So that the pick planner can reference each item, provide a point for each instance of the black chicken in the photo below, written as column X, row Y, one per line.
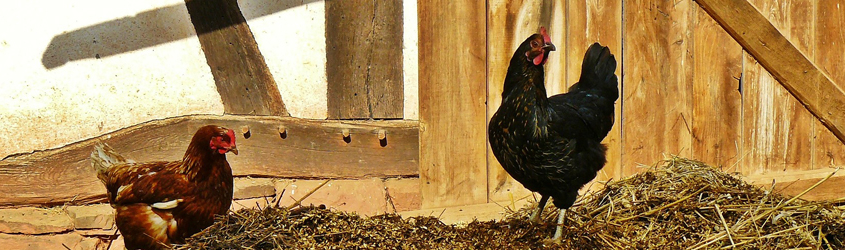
column 552, row 145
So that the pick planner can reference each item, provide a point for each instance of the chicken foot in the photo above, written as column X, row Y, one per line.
column 535, row 216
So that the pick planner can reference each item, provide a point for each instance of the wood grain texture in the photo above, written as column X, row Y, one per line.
column 243, row 80
column 469, row 213
column 778, row 129
column 364, row 59
column 590, row 21
column 309, row 149
column 509, row 23
column 794, row 182
column 452, row 92
column 553, row 16
column 717, row 101
column 783, row 60
column 657, row 82
column 829, row 55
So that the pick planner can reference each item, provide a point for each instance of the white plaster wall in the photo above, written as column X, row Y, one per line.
column 411, row 60
column 47, row 103
column 44, row 108
column 293, row 43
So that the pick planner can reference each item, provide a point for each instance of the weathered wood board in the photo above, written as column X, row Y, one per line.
column 467, row 214
column 657, row 82
column 305, row 149
column 243, row 80
column 452, row 92
column 778, row 129
column 717, row 99
column 793, row 183
column 829, row 55
column 364, row 59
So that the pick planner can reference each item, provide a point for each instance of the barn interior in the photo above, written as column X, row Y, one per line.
column 389, row 100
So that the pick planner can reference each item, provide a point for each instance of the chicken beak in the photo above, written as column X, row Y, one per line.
column 234, row 150
column 549, row 47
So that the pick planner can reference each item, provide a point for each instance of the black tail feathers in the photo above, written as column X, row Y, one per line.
column 598, row 70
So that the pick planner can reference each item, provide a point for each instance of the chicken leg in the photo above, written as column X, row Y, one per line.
column 535, row 216
column 559, row 227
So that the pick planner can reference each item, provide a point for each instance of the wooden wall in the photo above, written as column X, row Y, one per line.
column 734, row 114
column 687, row 87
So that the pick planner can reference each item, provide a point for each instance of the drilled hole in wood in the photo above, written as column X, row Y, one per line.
column 245, row 131
column 382, row 137
column 283, row 132
column 347, row 136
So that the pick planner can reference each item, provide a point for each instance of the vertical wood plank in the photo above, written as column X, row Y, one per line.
column 558, row 28
column 509, row 23
column 243, row 80
column 657, row 77
column 591, row 21
column 778, row 129
column 829, row 50
column 717, row 101
column 364, row 59
column 452, row 85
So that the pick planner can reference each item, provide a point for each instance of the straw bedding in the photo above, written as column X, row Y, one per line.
column 681, row 204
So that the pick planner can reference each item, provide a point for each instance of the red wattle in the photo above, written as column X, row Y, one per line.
column 538, row 59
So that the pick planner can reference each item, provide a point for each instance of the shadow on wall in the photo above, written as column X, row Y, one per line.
column 146, row 29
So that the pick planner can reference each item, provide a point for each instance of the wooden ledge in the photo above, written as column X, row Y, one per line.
column 794, row 182
column 281, row 147
column 459, row 215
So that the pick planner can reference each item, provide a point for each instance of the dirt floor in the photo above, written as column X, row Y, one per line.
column 682, row 204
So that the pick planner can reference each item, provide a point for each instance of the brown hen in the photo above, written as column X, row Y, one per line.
column 161, row 203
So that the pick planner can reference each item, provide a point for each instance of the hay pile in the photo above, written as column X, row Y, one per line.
column 683, row 204
column 686, row 204
column 325, row 229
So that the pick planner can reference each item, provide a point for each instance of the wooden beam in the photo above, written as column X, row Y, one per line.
column 784, row 61
column 364, row 59
column 468, row 213
column 795, row 182
column 303, row 149
column 452, row 92
column 243, row 80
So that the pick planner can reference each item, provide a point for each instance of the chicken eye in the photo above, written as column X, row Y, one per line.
column 534, row 44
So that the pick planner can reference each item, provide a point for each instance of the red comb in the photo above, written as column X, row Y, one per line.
column 546, row 37
column 231, row 134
